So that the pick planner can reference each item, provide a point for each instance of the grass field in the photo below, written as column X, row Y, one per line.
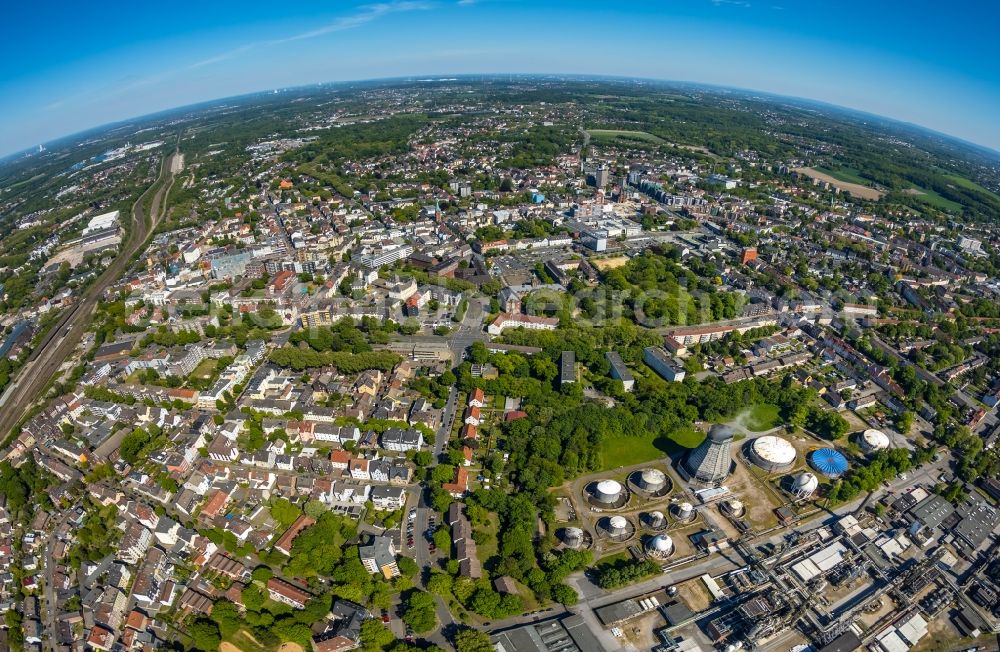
column 205, row 368
column 850, row 175
column 607, row 135
column 611, row 560
column 763, row 416
column 860, row 190
column 687, row 437
column 937, row 201
column 965, row 183
column 245, row 642
column 626, row 451
column 610, row 263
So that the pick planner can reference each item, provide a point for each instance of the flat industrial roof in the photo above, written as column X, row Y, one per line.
column 932, row 511
column 569, row 634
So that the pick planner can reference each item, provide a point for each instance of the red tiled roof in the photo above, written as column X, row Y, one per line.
column 215, row 503
column 284, row 544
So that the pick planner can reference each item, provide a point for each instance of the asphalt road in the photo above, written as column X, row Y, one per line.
column 447, row 423
column 66, row 334
column 469, row 331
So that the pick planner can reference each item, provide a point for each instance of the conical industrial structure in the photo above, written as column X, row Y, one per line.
column 711, row 461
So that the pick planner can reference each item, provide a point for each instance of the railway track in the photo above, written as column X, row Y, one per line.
column 64, row 336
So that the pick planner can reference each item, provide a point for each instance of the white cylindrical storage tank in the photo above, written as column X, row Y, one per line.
column 684, row 511
column 805, row 484
column 573, row 537
column 617, row 525
column 660, row 546
column 733, row 507
column 651, row 480
column 608, row 491
column 772, row 453
column 656, row 519
column 874, row 440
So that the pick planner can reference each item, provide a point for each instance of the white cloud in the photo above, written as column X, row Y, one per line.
column 367, row 14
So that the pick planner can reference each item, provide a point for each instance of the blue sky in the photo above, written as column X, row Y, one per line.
column 68, row 66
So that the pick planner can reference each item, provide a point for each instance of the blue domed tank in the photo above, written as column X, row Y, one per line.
column 829, row 462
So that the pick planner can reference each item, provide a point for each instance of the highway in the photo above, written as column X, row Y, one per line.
column 67, row 332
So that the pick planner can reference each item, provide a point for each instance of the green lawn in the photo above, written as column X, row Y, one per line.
column 687, row 437
column 205, row 368
column 626, row 451
column 847, row 175
column 488, row 547
column 763, row 416
column 611, row 560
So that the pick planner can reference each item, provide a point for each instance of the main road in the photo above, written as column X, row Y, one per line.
column 53, row 350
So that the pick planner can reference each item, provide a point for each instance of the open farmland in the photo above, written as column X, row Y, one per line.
column 856, row 189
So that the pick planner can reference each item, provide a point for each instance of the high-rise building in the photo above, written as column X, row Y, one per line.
column 602, row 175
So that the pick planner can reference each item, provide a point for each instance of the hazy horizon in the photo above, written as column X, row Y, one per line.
column 92, row 70
column 442, row 77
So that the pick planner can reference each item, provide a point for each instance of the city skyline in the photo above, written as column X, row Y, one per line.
column 110, row 68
